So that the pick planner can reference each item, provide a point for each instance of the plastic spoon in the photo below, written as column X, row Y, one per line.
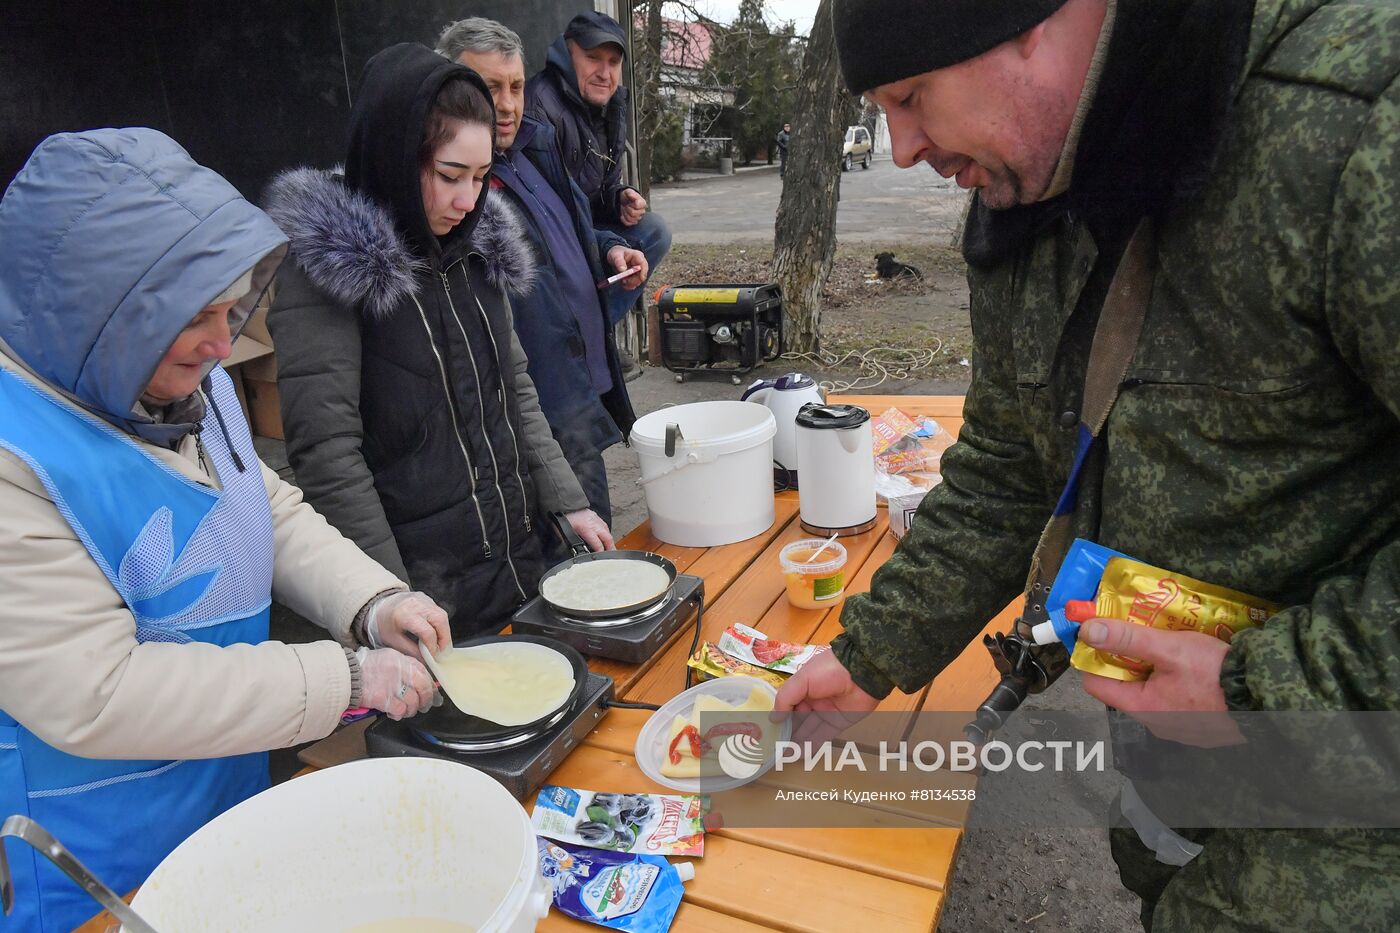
column 826, row 544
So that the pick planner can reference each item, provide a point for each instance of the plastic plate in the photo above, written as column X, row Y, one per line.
column 655, row 734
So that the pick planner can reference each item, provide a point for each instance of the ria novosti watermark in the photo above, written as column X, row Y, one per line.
column 1067, row 769
column 994, row 756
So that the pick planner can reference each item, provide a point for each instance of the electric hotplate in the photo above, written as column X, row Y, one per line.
column 633, row 638
column 520, row 762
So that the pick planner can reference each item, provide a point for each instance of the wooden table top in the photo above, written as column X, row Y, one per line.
column 791, row 879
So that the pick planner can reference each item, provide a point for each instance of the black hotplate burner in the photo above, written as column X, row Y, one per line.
column 520, row 762
column 633, row 638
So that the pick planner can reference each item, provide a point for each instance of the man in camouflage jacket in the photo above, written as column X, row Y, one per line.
column 1256, row 437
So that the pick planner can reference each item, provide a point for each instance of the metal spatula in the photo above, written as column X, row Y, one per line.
column 22, row 827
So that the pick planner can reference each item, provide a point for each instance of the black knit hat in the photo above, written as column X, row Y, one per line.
column 880, row 41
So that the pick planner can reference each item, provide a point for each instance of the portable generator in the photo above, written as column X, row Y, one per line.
column 720, row 328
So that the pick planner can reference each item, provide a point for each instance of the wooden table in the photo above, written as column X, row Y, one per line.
column 812, row 880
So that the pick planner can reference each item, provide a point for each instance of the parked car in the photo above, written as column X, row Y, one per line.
column 857, row 148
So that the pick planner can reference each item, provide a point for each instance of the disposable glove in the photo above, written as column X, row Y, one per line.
column 393, row 682
column 391, row 618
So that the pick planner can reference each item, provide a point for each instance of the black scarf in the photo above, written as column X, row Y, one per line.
column 1150, row 137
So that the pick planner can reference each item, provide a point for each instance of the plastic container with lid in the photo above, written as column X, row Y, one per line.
column 655, row 734
column 817, row 585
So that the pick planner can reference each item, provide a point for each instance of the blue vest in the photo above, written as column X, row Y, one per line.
column 191, row 564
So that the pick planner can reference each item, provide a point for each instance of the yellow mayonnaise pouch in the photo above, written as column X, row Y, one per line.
column 708, row 662
column 1147, row 595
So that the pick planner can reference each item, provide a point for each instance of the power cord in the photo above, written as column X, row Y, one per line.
column 694, row 641
column 877, row 365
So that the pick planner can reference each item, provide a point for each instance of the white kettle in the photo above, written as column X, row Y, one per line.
column 837, row 495
column 784, row 397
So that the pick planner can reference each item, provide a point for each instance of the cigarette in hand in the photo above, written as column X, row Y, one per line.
column 620, row 276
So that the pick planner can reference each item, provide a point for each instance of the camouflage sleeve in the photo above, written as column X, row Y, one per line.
column 966, row 553
column 1342, row 651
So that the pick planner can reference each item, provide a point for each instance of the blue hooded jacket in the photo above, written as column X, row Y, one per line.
column 100, row 277
column 593, row 160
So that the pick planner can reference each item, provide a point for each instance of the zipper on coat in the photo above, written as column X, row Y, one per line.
column 481, row 407
column 456, row 429
column 501, row 392
column 200, row 452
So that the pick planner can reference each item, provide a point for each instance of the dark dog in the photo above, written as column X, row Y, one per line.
column 887, row 267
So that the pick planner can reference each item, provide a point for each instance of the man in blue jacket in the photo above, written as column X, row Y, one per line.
column 562, row 322
column 579, row 93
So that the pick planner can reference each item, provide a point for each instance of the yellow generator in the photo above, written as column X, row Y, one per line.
column 727, row 329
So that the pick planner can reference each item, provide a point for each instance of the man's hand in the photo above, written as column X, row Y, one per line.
column 1185, row 678
column 621, row 258
column 592, row 529
column 823, row 690
column 631, row 206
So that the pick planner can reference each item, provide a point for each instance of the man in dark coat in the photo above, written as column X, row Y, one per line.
column 579, row 93
column 561, row 321
column 784, row 135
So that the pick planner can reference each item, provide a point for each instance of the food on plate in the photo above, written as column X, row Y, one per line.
column 601, row 585
column 717, row 738
column 661, row 824
column 510, row 683
column 708, row 662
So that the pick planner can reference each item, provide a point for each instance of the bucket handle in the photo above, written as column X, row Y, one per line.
column 687, row 458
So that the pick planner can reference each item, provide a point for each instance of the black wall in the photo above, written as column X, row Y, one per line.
column 248, row 87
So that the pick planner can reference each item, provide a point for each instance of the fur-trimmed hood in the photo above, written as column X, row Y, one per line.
column 350, row 248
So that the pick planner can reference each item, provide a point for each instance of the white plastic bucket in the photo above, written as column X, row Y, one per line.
column 371, row 841
column 716, row 484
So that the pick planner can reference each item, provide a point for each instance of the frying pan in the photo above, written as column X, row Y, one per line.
column 583, row 555
column 448, row 723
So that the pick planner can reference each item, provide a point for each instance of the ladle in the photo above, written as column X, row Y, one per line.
column 22, row 827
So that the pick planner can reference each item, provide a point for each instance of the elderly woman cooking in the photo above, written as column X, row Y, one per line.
column 142, row 538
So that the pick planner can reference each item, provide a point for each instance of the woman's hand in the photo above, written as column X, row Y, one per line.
column 394, row 617
column 592, row 529
column 393, row 682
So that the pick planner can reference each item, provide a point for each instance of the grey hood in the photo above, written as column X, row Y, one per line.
column 349, row 247
column 114, row 240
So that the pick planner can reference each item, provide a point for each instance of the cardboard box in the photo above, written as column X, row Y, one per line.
column 903, row 509
column 245, row 351
column 264, row 401
column 257, row 326
column 265, row 404
column 253, row 368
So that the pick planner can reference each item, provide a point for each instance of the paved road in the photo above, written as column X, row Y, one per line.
column 881, row 203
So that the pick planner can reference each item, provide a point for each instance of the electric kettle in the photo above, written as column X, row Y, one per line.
column 837, row 495
column 784, row 397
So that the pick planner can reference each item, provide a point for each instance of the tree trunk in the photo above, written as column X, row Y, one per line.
column 648, row 101
column 805, row 231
